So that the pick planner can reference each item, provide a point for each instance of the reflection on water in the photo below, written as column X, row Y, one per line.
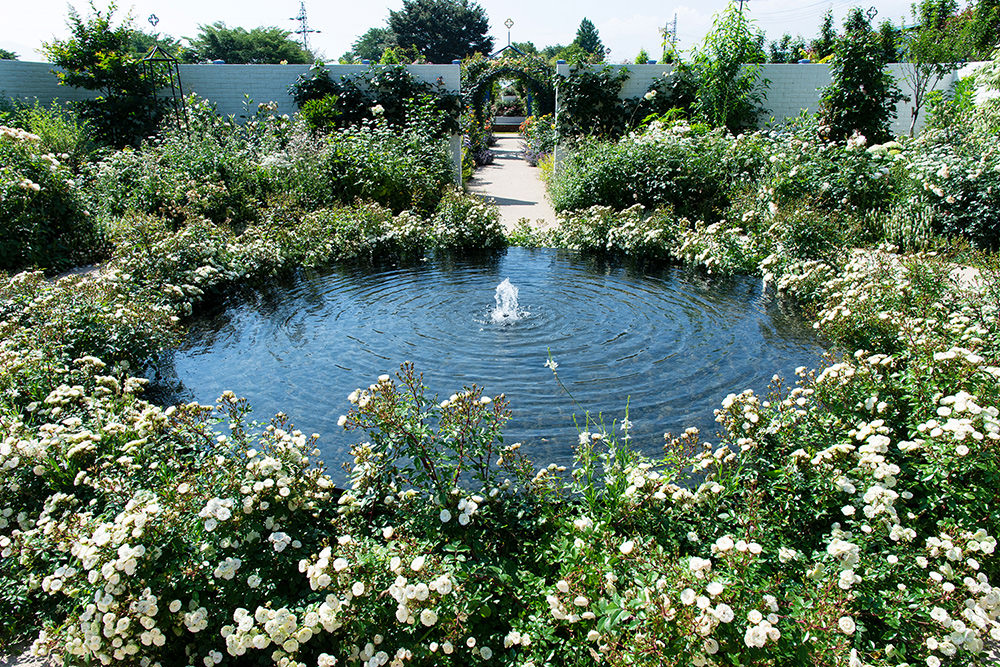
column 671, row 343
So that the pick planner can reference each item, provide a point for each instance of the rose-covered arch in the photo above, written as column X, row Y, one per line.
column 480, row 73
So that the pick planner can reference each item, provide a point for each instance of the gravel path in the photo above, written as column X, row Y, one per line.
column 513, row 186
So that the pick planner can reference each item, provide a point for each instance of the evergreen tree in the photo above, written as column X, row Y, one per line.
column 588, row 39
column 822, row 46
column 7, row 55
column 442, row 30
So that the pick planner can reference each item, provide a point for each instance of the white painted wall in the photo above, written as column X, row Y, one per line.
column 792, row 88
column 225, row 85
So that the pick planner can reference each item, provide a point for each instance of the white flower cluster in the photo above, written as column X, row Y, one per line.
column 216, row 510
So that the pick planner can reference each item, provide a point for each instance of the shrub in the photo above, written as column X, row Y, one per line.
column 401, row 170
column 43, row 221
column 59, row 129
column 539, row 134
column 98, row 56
column 320, row 114
column 676, row 166
column 386, row 91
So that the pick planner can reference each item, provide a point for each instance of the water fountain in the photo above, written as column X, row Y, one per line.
column 670, row 342
column 506, row 310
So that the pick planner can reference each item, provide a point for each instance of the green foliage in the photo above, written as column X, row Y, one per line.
column 320, row 114
column 591, row 104
column 787, row 49
column 862, row 97
column 588, row 40
column 386, row 91
column 7, row 55
column 671, row 166
column 932, row 51
column 144, row 42
column 822, row 46
column 442, row 30
column 43, row 221
column 99, row 56
column 981, row 24
column 730, row 91
column 59, row 129
column 241, row 46
column 370, row 46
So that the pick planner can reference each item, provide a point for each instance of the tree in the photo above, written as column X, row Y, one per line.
column 890, row 39
column 551, row 53
column 981, row 29
column 7, row 55
column 787, row 49
column 143, row 42
column 822, row 46
column 728, row 65
column 442, row 30
column 862, row 97
column 100, row 56
column 642, row 58
column 588, row 39
column 370, row 46
column 527, row 48
column 238, row 45
column 932, row 50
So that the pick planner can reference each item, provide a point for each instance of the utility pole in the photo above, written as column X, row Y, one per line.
column 669, row 33
column 304, row 28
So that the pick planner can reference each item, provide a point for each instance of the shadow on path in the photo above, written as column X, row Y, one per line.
column 513, row 186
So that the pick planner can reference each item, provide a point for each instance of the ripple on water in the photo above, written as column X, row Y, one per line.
column 671, row 343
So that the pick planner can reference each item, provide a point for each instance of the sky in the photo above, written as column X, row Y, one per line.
column 625, row 29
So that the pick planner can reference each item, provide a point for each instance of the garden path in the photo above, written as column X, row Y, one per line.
column 513, row 186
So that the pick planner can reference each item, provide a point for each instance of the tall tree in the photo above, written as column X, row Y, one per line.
column 728, row 64
column 786, row 50
column 588, row 39
column 143, row 42
column 862, row 96
column 890, row 38
column 982, row 29
column 822, row 46
column 442, row 30
column 239, row 45
column 933, row 49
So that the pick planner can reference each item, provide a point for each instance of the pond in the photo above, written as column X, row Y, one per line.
column 668, row 343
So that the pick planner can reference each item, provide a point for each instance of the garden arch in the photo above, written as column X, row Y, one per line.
column 479, row 74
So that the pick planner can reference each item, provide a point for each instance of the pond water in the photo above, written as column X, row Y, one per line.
column 671, row 342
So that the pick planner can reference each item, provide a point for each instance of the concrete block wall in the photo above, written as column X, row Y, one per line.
column 225, row 85
column 792, row 88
